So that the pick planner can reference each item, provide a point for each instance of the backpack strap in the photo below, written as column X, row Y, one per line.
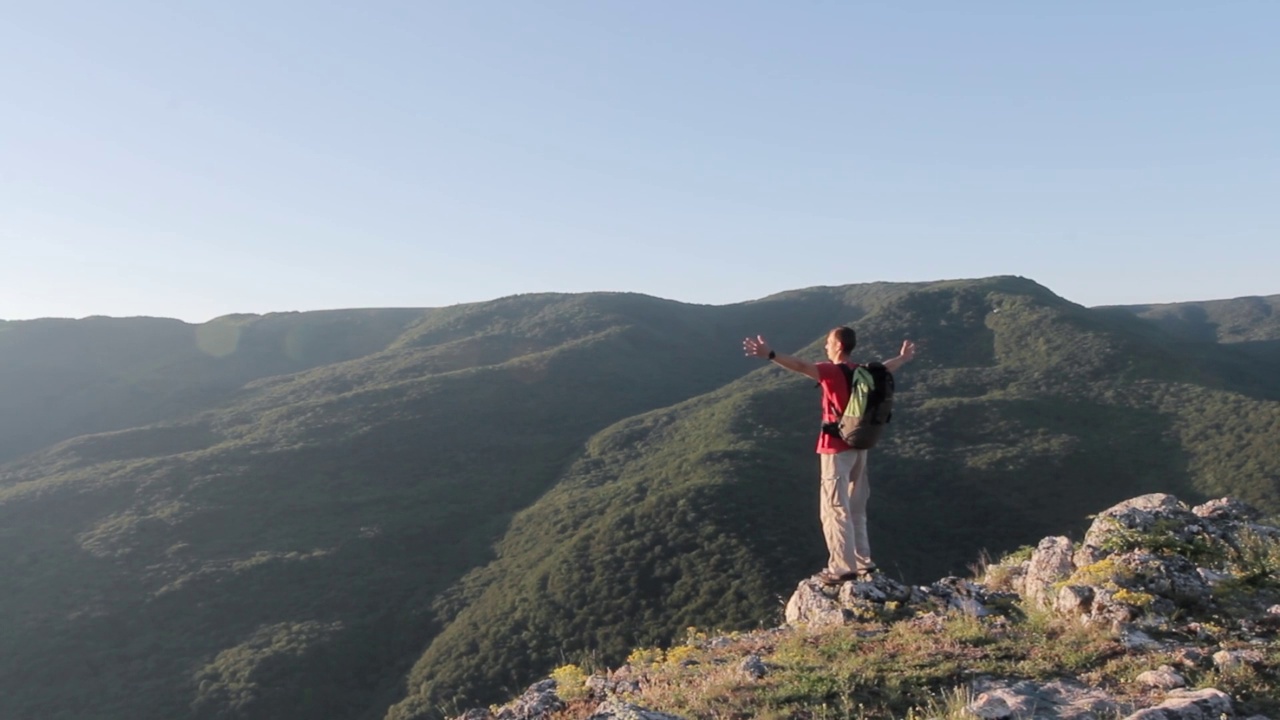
column 848, row 378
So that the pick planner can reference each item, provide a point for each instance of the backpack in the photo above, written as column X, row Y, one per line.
column 870, row 405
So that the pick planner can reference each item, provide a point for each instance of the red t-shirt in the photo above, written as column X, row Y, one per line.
column 835, row 396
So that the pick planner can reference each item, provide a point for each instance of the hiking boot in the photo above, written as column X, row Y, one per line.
column 826, row 577
column 868, row 573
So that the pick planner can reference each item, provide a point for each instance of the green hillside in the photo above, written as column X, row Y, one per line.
column 63, row 378
column 369, row 514
column 282, row 549
column 1023, row 413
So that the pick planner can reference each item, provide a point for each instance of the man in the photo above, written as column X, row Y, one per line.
column 845, row 487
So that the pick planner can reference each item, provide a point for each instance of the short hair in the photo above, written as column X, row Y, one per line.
column 847, row 337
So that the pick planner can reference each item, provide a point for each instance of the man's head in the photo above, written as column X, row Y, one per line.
column 840, row 342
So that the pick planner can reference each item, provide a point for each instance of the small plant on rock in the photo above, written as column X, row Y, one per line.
column 571, row 682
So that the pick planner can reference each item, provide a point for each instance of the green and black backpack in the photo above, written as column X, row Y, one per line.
column 870, row 405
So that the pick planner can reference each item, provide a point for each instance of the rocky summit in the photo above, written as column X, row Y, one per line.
column 1161, row 611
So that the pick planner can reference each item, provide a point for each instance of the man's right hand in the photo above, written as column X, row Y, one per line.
column 756, row 347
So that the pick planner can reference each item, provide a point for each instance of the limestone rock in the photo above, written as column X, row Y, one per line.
column 1164, row 678
column 1073, row 600
column 1134, row 639
column 537, row 703
column 1171, row 577
column 991, row 706
column 879, row 589
column 1140, row 514
column 754, row 667
column 1189, row 657
column 1066, row 699
column 957, row 594
column 1228, row 659
column 614, row 709
column 1226, row 508
column 1207, row 704
column 1050, row 563
column 816, row 604
column 811, row 606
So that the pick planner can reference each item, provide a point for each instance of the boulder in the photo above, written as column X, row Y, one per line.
column 1050, row 563
column 1073, row 600
column 1164, row 678
column 1140, row 514
column 1207, row 704
column 994, row 699
column 810, row 605
column 538, row 702
column 1226, row 508
column 1231, row 659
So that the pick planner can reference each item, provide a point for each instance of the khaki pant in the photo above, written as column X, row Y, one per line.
column 845, row 490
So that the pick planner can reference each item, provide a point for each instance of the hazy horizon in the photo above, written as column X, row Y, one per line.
column 552, row 292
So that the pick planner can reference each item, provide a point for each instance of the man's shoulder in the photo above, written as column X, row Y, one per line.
column 829, row 371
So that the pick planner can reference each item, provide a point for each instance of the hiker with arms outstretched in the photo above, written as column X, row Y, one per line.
column 845, row 487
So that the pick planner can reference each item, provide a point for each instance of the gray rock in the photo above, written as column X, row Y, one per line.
column 1017, row 578
column 1229, row 659
column 1050, row 563
column 1189, row 657
column 1207, row 704
column 969, row 606
column 1135, row 639
column 953, row 593
column 1026, row 699
column 879, row 589
column 1073, row 600
column 990, row 706
column 809, row 605
column 1164, row 678
column 1140, row 514
column 1226, row 509
column 1106, row 610
column 614, row 709
column 754, row 667
column 537, row 703
column 1172, row 577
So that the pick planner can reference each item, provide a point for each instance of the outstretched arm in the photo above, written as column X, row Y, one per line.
column 904, row 356
column 757, row 347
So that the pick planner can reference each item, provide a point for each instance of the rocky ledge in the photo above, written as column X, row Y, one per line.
column 1193, row 591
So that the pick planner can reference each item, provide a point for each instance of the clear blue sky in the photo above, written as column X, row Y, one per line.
column 191, row 159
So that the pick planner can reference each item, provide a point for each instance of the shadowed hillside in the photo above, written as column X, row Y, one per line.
column 63, row 378
column 282, row 548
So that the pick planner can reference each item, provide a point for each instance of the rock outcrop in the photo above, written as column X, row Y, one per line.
column 1179, row 585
